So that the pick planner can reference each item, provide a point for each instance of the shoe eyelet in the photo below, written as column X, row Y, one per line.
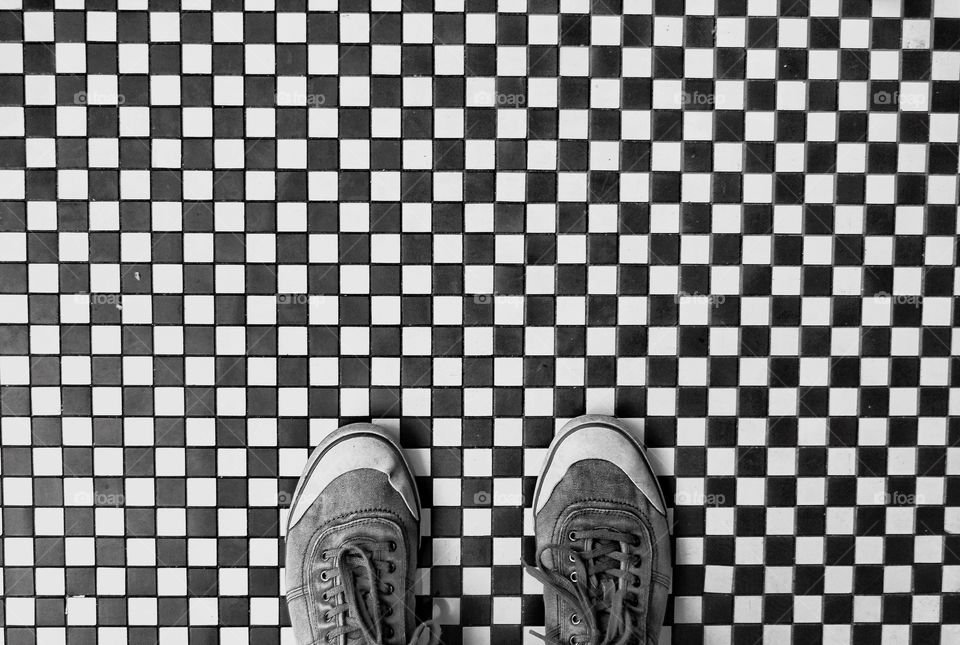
column 324, row 556
column 573, row 576
column 324, row 597
column 392, row 568
column 574, row 641
column 573, row 536
column 571, row 558
column 393, row 545
column 390, row 632
column 389, row 588
column 389, row 611
column 326, row 616
column 324, row 576
column 575, row 619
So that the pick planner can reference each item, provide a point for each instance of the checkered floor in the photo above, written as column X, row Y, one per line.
column 225, row 231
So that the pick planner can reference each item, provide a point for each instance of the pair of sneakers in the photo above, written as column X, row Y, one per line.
column 603, row 552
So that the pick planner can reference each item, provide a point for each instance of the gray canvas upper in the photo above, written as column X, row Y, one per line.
column 351, row 552
column 602, row 543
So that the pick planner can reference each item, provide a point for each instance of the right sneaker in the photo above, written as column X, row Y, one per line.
column 603, row 542
column 351, row 544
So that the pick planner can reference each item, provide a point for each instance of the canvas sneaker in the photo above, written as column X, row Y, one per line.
column 603, row 542
column 351, row 545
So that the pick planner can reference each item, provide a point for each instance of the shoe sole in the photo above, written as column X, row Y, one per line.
column 335, row 437
column 583, row 421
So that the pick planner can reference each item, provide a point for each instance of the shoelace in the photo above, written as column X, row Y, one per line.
column 359, row 596
column 601, row 587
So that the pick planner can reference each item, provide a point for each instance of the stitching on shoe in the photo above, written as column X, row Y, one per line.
column 659, row 577
column 297, row 592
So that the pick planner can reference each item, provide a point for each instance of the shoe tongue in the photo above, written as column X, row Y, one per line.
column 606, row 594
column 357, row 544
column 363, row 586
column 607, row 588
column 356, row 636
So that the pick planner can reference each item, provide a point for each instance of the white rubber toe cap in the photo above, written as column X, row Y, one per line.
column 597, row 440
column 358, row 448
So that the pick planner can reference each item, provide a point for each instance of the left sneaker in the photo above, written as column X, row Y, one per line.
column 603, row 543
column 352, row 538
